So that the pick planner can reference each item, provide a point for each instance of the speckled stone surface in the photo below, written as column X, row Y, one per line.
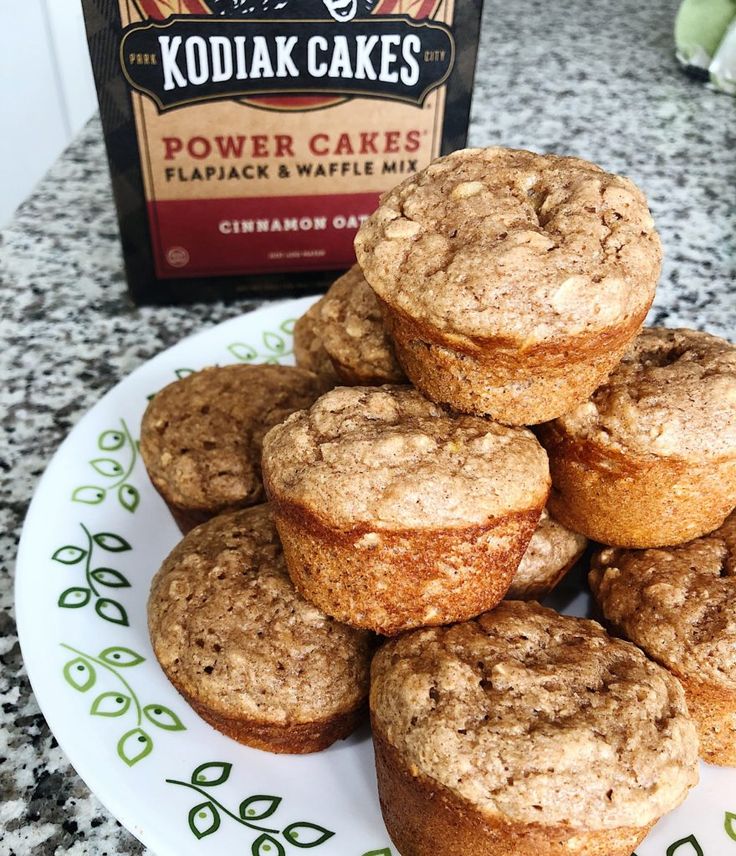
column 583, row 77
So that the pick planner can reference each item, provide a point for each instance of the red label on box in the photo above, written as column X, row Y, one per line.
column 226, row 236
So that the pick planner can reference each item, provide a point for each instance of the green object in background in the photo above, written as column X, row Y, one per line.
column 705, row 36
column 723, row 67
column 700, row 27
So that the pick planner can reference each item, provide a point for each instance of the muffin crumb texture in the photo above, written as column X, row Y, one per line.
column 389, row 458
column 551, row 552
column 342, row 337
column 348, row 322
column 309, row 350
column 673, row 395
column 677, row 603
column 201, row 436
column 537, row 718
column 232, row 633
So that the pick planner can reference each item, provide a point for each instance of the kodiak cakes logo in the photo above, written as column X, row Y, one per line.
column 340, row 10
column 257, row 48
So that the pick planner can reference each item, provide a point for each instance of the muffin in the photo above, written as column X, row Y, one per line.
column 551, row 553
column 394, row 513
column 512, row 282
column 201, row 436
column 247, row 652
column 526, row 732
column 342, row 336
column 650, row 459
column 309, row 352
column 679, row 605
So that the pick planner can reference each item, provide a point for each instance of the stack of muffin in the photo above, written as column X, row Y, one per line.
column 496, row 290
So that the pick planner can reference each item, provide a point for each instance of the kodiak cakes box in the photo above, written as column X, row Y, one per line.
column 248, row 139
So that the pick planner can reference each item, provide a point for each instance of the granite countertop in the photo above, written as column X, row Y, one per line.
column 588, row 78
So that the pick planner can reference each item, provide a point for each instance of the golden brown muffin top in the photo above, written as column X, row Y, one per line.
column 552, row 548
column 388, row 457
column 537, row 717
column 309, row 351
column 677, row 603
column 672, row 395
column 351, row 328
column 201, row 436
column 513, row 246
column 231, row 631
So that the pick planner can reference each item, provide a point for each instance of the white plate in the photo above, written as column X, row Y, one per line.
column 95, row 533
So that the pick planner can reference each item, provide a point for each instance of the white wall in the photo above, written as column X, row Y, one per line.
column 46, row 91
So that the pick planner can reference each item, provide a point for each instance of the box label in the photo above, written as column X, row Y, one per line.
column 267, row 131
column 252, row 137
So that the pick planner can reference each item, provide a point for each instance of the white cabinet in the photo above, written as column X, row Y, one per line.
column 46, row 91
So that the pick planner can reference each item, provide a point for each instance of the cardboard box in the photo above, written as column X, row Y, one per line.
column 247, row 139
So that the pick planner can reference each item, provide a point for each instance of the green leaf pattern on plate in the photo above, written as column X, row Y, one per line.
column 163, row 716
column 258, row 807
column 81, row 672
column 69, row 555
column 204, row 818
column 211, row 774
column 74, row 597
column 267, row 845
column 273, row 347
column 688, row 846
column 118, row 656
column 111, row 611
column 89, row 494
column 305, row 834
column 110, row 704
column 128, row 496
column 134, row 745
column 96, row 578
column 109, row 577
column 107, row 467
column 115, row 468
column 111, row 441
column 110, row 542
column 729, row 825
